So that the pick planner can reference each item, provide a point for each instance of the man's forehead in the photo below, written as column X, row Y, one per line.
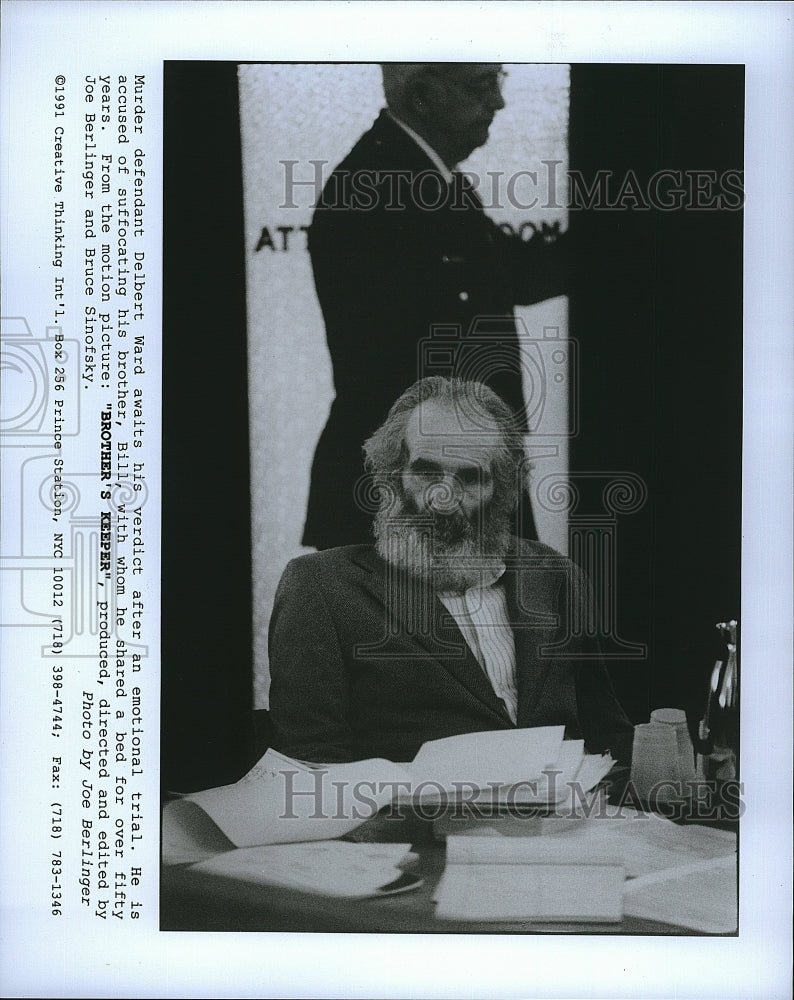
column 436, row 429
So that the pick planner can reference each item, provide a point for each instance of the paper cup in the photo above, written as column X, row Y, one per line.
column 654, row 760
column 675, row 718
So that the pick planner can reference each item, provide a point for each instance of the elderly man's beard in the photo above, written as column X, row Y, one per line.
column 448, row 550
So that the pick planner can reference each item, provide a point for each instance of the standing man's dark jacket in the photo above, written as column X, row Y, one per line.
column 361, row 670
column 396, row 251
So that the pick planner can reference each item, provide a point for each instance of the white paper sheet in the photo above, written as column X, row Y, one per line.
column 333, row 867
column 531, row 892
column 284, row 801
column 701, row 896
column 505, row 756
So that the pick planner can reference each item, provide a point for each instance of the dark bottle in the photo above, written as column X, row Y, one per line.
column 718, row 733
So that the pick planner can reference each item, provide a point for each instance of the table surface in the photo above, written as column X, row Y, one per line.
column 194, row 900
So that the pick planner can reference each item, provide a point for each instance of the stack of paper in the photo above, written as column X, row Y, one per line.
column 481, row 760
column 566, row 864
column 282, row 800
column 682, row 875
column 528, row 878
column 566, row 787
column 512, row 767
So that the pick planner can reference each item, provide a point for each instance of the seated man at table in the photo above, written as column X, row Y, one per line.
column 447, row 624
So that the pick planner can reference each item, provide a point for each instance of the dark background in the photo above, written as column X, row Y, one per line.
column 656, row 308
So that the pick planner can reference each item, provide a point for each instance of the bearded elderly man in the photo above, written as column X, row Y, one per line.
column 400, row 244
column 448, row 624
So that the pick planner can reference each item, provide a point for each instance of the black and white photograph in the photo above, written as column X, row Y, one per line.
column 395, row 460
column 494, row 461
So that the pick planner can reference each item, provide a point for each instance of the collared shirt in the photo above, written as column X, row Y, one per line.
column 483, row 618
column 425, row 146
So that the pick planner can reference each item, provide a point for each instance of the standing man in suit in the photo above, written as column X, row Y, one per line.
column 448, row 624
column 400, row 245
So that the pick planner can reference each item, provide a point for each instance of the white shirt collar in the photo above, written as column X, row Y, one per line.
column 425, row 146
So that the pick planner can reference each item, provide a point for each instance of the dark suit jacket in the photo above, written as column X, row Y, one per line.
column 394, row 252
column 357, row 675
